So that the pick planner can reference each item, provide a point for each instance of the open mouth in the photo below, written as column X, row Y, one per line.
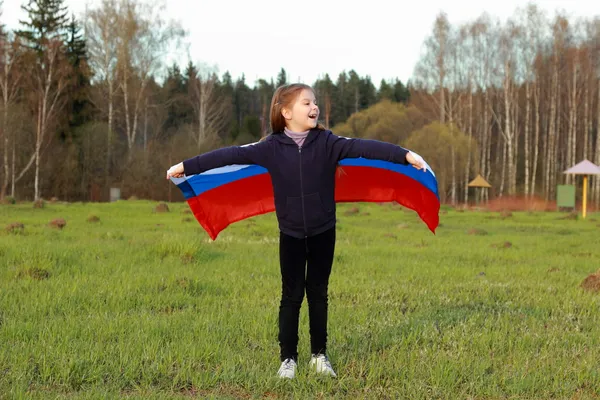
column 313, row 116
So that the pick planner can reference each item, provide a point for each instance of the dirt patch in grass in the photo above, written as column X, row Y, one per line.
column 352, row 211
column 390, row 235
column 161, row 208
column 93, row 218
column 170, row 309
column 592, row 283
column 15, row 227
column 39, row 204
column 39, row 274
column 187, row 258
column 477, row 232
column 58, row 223
column 505, row 245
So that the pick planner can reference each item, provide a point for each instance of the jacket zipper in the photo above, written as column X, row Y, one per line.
column 302, row 192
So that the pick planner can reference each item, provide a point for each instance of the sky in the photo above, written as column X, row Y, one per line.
column 379, row 38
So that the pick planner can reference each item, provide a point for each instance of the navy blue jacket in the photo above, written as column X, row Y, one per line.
column 303, row 178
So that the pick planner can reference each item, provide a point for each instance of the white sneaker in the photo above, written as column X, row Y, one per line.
column 321, row 365
column 287, row 369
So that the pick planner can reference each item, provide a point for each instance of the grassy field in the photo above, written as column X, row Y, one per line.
column 142, row 305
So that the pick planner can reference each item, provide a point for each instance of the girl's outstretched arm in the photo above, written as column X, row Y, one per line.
column 342, row 147
column 248, row 154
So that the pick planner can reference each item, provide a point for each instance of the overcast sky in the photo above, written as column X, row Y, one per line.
column 380, row 38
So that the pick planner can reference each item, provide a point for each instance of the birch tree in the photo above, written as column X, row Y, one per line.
column 47, row 73
column 102, row 42
column 144, row 40
column 10, row 80
column 211, row 109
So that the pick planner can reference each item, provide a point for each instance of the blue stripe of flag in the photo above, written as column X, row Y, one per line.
column 197, row 184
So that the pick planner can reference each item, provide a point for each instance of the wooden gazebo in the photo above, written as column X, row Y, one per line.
column 479, row 183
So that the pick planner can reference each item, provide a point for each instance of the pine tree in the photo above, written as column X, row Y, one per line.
column 242, row 102
column 265, row 92
column 175, row 89
column 228, row 91
column 368, row 93
column 325, row 90
column 189, row 76
column 401, row 92
column 339, row 109
column 77, row 56
column 190, row 71
column 281, row 78
column 227, row 81
column 386, row 91
column 76, row 49
column 353, row 93
column 47, row 20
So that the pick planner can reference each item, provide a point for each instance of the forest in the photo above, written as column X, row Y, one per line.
column 89, row 102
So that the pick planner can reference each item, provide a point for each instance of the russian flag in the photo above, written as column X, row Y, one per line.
column 222, row 196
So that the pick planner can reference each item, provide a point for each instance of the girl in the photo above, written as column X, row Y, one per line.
column 301, row 157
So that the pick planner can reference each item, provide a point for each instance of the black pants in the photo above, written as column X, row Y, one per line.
column 305, row 264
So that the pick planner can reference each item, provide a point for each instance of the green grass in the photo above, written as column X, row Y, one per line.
column 143, row 305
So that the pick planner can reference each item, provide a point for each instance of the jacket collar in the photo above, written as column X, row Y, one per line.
column 285, row 139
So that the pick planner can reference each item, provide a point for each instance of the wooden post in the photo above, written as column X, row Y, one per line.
column 585, row 185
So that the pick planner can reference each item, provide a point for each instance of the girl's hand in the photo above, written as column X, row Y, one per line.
column 176, row 171
column 416, row 161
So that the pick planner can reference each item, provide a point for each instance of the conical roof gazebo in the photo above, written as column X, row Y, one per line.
column 584, row 168
column 480, row 183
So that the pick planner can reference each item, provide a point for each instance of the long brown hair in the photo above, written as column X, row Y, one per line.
column 285, row 96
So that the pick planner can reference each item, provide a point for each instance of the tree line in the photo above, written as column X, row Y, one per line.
column 81, row 113
column 86, row 106
column 527, row 90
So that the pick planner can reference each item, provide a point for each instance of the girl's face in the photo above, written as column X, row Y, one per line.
column 304, row 113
